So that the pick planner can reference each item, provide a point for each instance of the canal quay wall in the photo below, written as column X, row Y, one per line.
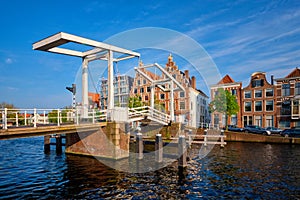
column 249, row 137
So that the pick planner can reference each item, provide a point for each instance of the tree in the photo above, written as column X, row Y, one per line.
column 135, row 101
column 224, row 102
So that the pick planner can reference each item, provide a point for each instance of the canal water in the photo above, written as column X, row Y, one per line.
column 238, row 171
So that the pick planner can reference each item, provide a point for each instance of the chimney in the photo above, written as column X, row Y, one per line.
column 186, row 72
column 193, row 82
column 272, row 79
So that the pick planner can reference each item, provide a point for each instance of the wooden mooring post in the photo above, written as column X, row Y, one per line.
column 182, row 154
column 158, row 148
column 58, row 143
column 139, row 145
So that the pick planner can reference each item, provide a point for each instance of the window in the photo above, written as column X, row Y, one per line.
column 258, row 106
column 295, row 109
column 247, row 106
column 216, row 119
column 233, row 120
column 135, row 90
column 285, row 108
column 162, row 96
column 247, row 94
column 269, row 92
column 138, row 82
column 284, row 124
column 297, row 88
column 181, row 94
column 269, row 120
column 144, row 81
column 258, row 93
column 148, row 89
column 258, row 120
column 233, row 92
column 182, row 105
column 286, row 89
column 258, row 83
column 269, row 105
column 146, row 98
column 174, row 76
column 142, row 90
column 247, row 120
column 216, row 93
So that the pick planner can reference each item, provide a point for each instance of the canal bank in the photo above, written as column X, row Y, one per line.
column 249, row 137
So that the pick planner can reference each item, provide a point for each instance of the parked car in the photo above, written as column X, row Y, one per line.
column 235, row 128
column 290, row 133
column 256, row 129
column 273, row 130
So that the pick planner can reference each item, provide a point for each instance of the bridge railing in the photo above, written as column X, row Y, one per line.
column 147, row 111
column 39, row 117
column 208, row 126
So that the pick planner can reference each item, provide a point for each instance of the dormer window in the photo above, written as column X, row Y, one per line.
column 257, row 83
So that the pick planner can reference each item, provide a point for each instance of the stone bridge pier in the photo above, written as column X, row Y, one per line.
column 111, row 141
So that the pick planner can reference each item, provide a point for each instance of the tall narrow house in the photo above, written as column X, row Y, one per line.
column 258, row 101
column 288, row 99
column 234, row 88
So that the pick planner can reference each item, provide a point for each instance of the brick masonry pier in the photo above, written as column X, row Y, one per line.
column 107, row 142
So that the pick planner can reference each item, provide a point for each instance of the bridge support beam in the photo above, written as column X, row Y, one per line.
column 85, row 98
column 58, row 144
column 111, row 142
column 47, row 144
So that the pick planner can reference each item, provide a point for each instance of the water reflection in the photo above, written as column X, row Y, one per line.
column 238, row 171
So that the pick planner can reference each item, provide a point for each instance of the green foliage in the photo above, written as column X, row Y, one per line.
column 52, row 116
column 7, row 105
column 224, row 102
column 134, row 102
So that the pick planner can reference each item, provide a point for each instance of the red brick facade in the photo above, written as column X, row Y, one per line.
column 259, row 102
column 141, row 87
column 234, row 88
column 288, row 99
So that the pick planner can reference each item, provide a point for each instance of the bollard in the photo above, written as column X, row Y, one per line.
column 205, row 138
column 58, row 144
column 222, row 138
column 182, row 152
column 158, row 148
column 139, row 146
column 47, row 144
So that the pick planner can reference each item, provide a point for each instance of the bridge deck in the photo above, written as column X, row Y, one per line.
column 46, row 130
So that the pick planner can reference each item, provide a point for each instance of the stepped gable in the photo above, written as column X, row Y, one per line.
column 226, row 79
column 294, row 73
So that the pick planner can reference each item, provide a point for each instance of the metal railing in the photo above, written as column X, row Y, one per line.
column 38, row 117
column 151, row 113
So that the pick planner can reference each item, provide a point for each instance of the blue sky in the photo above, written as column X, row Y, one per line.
column 240, row 36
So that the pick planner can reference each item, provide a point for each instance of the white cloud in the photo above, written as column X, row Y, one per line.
column 8, row 61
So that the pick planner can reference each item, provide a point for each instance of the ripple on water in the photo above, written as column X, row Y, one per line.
column 239, row 171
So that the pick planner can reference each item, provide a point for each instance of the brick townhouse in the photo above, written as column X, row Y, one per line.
column 259, row 101
column 234, row 88
column 288, row 98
